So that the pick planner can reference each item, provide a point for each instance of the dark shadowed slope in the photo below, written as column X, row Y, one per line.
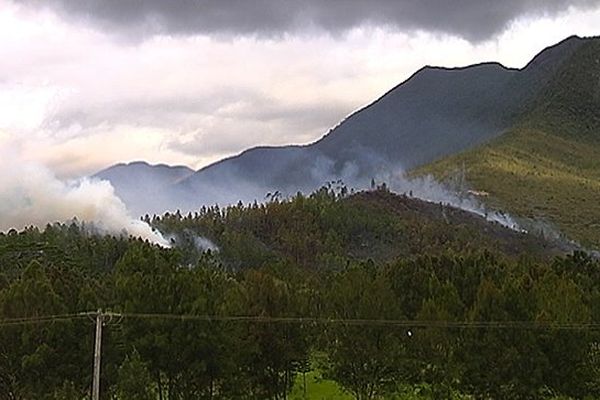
column 442, row 111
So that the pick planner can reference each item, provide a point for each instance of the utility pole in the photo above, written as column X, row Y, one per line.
column 97, row 356
column 102, row 318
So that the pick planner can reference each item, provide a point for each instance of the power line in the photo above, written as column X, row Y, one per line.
column 371, row 322
column 41, row 319
column 440, row 324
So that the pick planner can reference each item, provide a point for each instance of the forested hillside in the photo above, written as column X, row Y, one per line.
column 327, row 228
column 371, row 295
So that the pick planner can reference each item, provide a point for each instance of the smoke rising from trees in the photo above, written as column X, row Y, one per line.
column 32, row 195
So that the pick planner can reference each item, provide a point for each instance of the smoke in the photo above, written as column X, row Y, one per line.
column 191, row 240
column 203, row 244
column 31, row 195
column 226, row 186
column 367, row 166
column 287, row 171
column 428, row 189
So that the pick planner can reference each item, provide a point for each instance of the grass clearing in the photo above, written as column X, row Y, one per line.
column 317, row 388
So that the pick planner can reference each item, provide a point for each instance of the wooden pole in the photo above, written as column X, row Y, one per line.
column 97, row 356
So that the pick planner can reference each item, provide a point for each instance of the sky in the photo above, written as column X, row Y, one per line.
column 86, row 84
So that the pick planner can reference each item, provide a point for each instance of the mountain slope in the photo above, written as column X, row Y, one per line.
column 435, row 113
column 547, row 167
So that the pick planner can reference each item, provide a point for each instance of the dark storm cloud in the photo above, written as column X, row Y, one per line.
column 474, row 20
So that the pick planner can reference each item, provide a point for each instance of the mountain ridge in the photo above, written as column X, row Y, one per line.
column 436, row 113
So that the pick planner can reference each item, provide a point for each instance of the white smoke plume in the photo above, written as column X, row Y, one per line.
column 187, row 237
column 428, row 189
column 203, row 244
column 31, row 195
column 425, row 188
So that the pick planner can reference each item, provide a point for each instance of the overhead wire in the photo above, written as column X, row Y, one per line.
column 414, row 324
column 32, row 320
column 371, row 322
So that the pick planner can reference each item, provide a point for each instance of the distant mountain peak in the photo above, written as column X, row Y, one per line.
column 485, row 64
column 145, row 164
column 142, row 186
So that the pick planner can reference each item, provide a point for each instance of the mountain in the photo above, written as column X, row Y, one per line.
column 526, row 136
column 546, row 166
column 143, row 187
column 436, row 112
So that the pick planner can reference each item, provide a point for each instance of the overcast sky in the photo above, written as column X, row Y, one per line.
column 85, row 84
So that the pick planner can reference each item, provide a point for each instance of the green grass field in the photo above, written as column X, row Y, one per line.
column 317, row 388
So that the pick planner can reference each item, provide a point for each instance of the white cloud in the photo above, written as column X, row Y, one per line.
column 78, row 100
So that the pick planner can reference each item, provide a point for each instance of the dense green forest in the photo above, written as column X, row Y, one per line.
column 379, row 295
